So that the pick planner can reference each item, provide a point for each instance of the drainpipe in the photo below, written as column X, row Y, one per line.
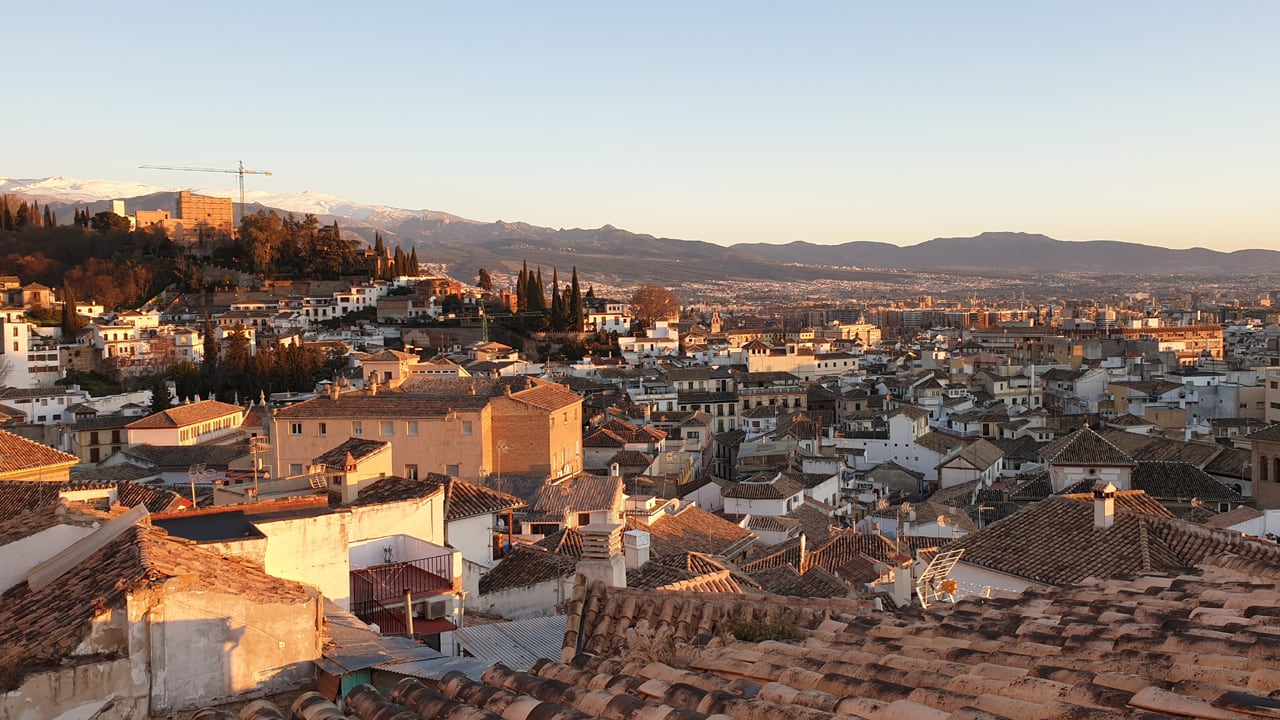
column 408, row 611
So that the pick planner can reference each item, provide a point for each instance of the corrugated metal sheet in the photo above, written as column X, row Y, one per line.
column 436, row 668
column 517, row 644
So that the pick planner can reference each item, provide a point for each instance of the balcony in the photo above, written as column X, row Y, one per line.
column 424, row 578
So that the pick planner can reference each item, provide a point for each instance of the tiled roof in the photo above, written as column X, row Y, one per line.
column 766, row 486
column 1232, row 462
column 468, row 499
column 19, row 454
column 525, row 566
column 938, row 442
column 1244, row 513
column 1267, row 434
column 815, row 583
column 579, row 493
column 1084, row 447
column 1149, row 447
column 355, row 449
column 1054, row 542
column 184, row 415
column 1129, row 420
column 769, row 523
column 911, row 411
column 182, row 456
column 395, row 489
column 979, row 454
column 45, row 625
column 1180, row 481
column 386, row 403
column 567, row 542
column 630, row 459
column 815, row 522
column 692, row 529
column 547, row 396
column 606, row 620
column 1025, row 448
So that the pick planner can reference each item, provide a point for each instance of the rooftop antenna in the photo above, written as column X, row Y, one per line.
column 935, row 582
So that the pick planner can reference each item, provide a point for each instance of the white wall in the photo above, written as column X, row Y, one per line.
column 311, row 550
column 208, row 648
column 77, row 693
column 529, row 601
column 422, row 518
column 973, row 580
column 403, row 549
column 473, row 537
column 19, row 556
column 740, row 506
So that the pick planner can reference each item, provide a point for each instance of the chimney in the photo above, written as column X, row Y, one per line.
column 373, row 384
column 635, row 546
column 602, row 556
column 804, row 554
column 1104, row 505
column 903, row 583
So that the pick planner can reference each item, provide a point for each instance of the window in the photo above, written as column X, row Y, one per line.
column 386, row 428
column 411, row 428
column 584, row 519
column 295, row 469
column 452, row 470
column 295, row 428
column 411, row 472
column 324, row 430
column 357, row 428
column 466, row 427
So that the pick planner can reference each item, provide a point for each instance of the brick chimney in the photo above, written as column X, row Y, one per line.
column 1104, row 505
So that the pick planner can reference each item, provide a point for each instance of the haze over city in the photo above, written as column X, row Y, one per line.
column 745, row 122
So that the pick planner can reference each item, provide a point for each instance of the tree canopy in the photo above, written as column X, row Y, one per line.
column 654, row 302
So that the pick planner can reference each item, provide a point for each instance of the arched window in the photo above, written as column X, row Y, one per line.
column 1263, row 468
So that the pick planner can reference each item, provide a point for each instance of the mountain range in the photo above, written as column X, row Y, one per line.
column 621, row 257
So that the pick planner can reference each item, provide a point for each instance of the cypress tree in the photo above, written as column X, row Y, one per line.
column 522, row 288
column 377, row 243
column 35, row 213
column 23, row 216
column 557, row 307
column 50, row 220
column 576, row 310
column 537, row 293
column 7, row 221
column 413, row 262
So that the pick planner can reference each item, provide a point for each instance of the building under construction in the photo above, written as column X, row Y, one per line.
column 199, row 221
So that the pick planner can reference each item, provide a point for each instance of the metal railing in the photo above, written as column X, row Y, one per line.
column 424, row 576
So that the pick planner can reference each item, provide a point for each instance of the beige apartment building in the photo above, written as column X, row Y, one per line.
column 436, row 425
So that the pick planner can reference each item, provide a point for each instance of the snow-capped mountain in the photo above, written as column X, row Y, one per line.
column 74, row 190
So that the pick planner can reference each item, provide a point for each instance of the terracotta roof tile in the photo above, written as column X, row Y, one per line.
column 184, row 415
column 19, row 454
column 1084, row 447
column 355, row 449
column 692, row 529
column 525, row 566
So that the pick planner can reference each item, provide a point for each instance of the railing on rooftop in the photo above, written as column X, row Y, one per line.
column 422, row 577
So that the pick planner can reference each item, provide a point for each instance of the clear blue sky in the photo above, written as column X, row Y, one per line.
column 1154, row 122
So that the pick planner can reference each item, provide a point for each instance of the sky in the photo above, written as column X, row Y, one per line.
column 1151, row 122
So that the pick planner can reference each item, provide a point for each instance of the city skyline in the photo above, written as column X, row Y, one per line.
column 727, row 123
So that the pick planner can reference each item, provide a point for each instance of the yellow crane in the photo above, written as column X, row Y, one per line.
column 239, row 170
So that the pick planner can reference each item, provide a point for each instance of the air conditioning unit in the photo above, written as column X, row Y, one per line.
column 437, row 609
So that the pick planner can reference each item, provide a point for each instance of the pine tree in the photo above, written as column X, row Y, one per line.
column 577, row 314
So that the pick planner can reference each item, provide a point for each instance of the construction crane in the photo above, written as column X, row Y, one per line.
column 239, row 170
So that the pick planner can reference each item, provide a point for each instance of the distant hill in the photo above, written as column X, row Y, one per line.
column 621, row 257
column 1014, row 251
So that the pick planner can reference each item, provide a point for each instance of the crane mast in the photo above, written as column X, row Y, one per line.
column 240, row 171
